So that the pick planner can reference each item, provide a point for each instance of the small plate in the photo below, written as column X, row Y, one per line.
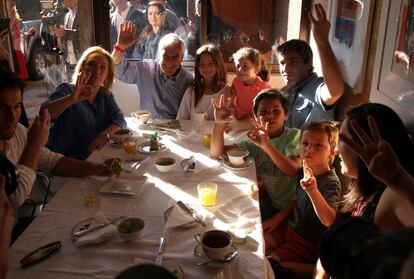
column 145, row 148
column 132, row 164
column 184, row 162
column 130, row 187
column 81, row 226
column 246, row 164
column 201, row 257
column 167, row 214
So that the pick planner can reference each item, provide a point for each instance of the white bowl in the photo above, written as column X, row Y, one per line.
column 130, row 228
column 165, row 164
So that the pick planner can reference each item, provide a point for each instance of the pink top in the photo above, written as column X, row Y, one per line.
column 245, row 95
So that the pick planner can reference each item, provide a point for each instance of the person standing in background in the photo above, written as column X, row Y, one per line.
column 15, row 31
column 124, row 12
column 69, row 35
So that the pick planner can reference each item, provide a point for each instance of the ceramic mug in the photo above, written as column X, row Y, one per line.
column 141, row 116
column 215, row 243
column 119, row 135
column 237, row 156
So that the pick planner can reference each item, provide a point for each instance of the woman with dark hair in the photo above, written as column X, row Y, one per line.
column 361, row 140
column 85, row 114
column 152, row 34
column 379, row 160
column 210, row 82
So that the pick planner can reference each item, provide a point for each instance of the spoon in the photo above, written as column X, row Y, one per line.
column 228, row 257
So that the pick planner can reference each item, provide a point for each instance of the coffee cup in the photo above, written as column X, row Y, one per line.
column 141, row 116
column 215, row 243
column 237, row 156
column 119, row 135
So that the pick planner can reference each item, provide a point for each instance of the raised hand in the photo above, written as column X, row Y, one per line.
column 39, row 132
column 126, row 36
column 223, row 110
column 260, row 135
column 376, row 153
column 82, row 89
column 320, row 24
column 308, row 182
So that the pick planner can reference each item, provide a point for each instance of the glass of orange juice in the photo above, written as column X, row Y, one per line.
column 129, row 144
column 207, row 193
column 207, row 139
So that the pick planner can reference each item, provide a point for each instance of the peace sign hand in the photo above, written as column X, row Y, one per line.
column 376, row 153
column 260, row 135
column 223, row 110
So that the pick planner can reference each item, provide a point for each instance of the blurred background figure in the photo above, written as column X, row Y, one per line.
column 124, row 11
column 15, row 32
column 157, row 28
column 68, row 35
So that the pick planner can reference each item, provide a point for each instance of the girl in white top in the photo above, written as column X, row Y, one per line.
column 210, row 82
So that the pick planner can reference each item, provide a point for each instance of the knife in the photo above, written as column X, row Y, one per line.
column 191, row 213
column 102, row 225
column 188, row 164
column 160, row 253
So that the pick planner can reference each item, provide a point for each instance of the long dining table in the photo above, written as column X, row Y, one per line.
column 236, row 210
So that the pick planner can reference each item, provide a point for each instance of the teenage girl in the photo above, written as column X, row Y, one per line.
column 209, row 83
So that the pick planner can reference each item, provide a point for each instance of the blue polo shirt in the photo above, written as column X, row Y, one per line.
column 306, row 103
column 73, row 131
column 160, row 94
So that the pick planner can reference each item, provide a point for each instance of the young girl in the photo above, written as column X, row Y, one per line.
column 252, row 77
column 209, row 83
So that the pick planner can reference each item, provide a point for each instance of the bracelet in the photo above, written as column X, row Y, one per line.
column 118, row 49
column 106, row 135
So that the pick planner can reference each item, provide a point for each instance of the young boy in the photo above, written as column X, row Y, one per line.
column 317, row 194
column 273, row 147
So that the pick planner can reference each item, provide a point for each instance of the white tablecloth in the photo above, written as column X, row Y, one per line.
column 235, row 209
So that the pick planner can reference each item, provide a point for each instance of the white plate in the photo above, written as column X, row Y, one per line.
column 122, row 186
column 145, row 148
column 132, row 164
column 246, row 164
column 200, row 256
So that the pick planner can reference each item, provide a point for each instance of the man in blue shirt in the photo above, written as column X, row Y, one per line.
column 311, row 98
column 162, row 82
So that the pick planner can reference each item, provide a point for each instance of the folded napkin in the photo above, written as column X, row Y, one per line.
column 99, row 235
column 179, row 218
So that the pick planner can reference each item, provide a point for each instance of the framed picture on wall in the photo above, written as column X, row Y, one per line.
column 393, row 79
column 349, row 37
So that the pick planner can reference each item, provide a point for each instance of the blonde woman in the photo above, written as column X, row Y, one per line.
column 84, row 113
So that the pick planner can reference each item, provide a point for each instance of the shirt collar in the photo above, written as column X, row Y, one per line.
column 125, row 12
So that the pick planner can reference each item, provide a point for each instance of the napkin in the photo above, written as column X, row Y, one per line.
column 99, row 235
column 178, row 218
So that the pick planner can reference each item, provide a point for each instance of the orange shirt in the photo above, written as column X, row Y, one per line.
column 245, row 95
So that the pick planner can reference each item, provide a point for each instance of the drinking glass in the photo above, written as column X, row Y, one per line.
column 129, row 144
column 207, row 193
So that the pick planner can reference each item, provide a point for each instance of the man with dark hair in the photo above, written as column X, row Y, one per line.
column 124, row 12
column 25, row 148
column 311, row 97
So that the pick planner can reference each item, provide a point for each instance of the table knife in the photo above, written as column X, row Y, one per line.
column 160, row 253
column 188, row 164
column 191, row 213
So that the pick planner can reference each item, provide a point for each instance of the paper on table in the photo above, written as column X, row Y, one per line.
column 179, row 218
column 99, row 235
